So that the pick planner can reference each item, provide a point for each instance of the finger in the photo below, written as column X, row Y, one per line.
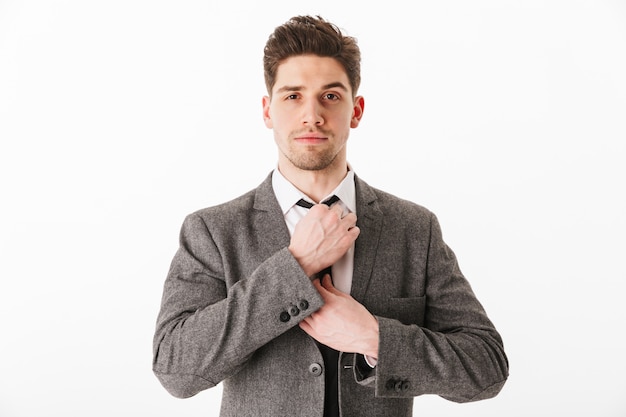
column 320, row 289
column 351, row 235
column 337, row 209
column 316, row 283
column 354, row 232
column 329, row 286
column 327, row 282
column 349, row 219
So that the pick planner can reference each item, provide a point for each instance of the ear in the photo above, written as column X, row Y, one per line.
column 266, row 112
column 357, row 111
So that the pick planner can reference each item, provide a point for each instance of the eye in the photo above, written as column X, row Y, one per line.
column 291, row 97
column 331, row 96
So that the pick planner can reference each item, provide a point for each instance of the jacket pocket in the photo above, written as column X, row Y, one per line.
column 408, row 310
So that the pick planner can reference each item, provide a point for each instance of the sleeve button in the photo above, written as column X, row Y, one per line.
column 398, row 386
column 303, row 304
column 284, row 317
column 390, row 384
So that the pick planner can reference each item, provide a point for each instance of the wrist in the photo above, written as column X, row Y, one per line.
column 308, row 269
column 371, row 352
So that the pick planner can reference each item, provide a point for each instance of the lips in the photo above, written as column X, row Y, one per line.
column 311, row 137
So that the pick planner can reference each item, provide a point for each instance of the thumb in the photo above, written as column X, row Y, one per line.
column 327, row 283
column 321, row 289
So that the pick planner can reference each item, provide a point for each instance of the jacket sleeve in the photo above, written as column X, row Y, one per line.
column 207, row 330
column 452, row 350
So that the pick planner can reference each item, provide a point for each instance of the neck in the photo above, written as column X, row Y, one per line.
column 316, row 184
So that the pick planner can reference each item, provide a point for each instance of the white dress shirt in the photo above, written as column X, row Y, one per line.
column 288, row 195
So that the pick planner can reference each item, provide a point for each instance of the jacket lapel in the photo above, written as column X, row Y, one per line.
column 273, row 235
column 269, row 222
column 370, row 221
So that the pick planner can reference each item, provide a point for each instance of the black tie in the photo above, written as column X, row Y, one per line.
column 330, row 355
column 307, row 204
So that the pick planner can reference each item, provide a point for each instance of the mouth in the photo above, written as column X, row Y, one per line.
column 311, row 137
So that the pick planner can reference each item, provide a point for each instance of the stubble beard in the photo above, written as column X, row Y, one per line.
column 311, row 158
column 312, row 161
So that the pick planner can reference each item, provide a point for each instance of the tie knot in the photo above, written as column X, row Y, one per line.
column 307, row 204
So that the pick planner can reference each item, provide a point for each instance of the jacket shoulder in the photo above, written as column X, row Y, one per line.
column 390, row 204
column 241, row 204
column 260, row 198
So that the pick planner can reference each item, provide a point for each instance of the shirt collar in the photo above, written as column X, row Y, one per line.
column 287, row 194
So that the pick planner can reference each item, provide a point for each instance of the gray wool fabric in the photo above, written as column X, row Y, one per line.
column 234, row 296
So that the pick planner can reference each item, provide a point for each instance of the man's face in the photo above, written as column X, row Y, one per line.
column 311, row 111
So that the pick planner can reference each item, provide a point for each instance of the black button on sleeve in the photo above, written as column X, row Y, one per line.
column 303, row 304
column 293, row 310
column 390, row 384
column 398, row 386
column 284, row 317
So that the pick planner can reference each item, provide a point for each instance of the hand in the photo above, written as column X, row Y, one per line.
column 342, row 323
column 322, row 237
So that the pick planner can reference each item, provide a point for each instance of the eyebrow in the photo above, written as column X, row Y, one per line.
column 336, row 84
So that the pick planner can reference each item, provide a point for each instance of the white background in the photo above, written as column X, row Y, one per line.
column 117, row 118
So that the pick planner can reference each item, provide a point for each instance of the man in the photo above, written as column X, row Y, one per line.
column 351, row 308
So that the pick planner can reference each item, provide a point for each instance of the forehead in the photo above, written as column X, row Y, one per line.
column 310, row 72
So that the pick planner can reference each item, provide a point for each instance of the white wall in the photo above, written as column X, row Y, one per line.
column 117, row 118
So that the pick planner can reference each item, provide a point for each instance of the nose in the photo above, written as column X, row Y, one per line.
column 312, row 113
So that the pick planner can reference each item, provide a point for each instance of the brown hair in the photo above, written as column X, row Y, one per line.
column 303, row 35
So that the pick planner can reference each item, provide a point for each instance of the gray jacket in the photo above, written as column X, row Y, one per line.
column 234, row 296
